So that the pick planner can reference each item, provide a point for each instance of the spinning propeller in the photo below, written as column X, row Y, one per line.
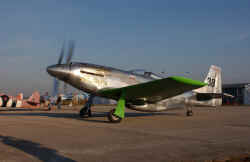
column 68, row 60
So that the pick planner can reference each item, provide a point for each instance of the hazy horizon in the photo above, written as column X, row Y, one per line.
column 171, row 36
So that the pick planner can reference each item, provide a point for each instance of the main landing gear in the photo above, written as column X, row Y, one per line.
column 86, row 110
column 115, row 115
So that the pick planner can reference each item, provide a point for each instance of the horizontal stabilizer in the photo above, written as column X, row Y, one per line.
column 228, row 95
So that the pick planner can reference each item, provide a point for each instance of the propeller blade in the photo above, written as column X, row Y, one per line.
column 68, row 60
column 61, row 55
column 65, row 88
column 69, row 57
column 71, row 51
column 55, row 87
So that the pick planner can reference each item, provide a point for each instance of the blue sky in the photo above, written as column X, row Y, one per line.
column 163, row 35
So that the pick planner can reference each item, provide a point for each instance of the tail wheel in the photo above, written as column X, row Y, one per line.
column 189, row 113
column 113, row 118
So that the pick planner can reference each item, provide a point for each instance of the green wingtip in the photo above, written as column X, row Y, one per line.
column 188, row 81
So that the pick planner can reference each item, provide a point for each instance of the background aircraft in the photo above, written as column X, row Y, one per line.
column 10, row 101
column 136, row 91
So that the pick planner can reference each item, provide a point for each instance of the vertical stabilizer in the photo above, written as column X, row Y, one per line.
column 214, row 87
column 213, row 80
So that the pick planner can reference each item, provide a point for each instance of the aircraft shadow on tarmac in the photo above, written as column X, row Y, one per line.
column 34, row 149
column 94, row 117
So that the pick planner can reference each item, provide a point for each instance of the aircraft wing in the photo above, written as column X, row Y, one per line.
column 155, row 90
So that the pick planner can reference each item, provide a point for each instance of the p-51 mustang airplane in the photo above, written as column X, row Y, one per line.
column 142, row 92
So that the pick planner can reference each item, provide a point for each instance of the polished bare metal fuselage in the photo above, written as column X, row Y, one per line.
column 91, row 78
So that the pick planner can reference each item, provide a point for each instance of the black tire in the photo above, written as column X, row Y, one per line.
column 113, row 118
column 89, row 113
column 189, row 113
column 83, row 112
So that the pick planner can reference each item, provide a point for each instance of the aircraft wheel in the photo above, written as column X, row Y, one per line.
column 89, row 113
column 189, row 113
column 84, row 112
column 113, row 118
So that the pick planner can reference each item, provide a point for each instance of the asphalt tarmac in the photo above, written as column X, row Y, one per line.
column 60, row 135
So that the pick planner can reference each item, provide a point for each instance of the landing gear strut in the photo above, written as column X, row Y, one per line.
column 116, row 115
column 86, row 110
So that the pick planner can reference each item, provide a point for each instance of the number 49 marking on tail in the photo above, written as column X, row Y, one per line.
column 211, row 82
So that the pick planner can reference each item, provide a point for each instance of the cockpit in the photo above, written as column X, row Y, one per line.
column 146, row 73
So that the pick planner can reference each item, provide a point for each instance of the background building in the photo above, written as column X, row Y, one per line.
column 241, row 93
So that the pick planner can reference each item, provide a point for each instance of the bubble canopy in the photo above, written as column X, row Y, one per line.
column 146, row 73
